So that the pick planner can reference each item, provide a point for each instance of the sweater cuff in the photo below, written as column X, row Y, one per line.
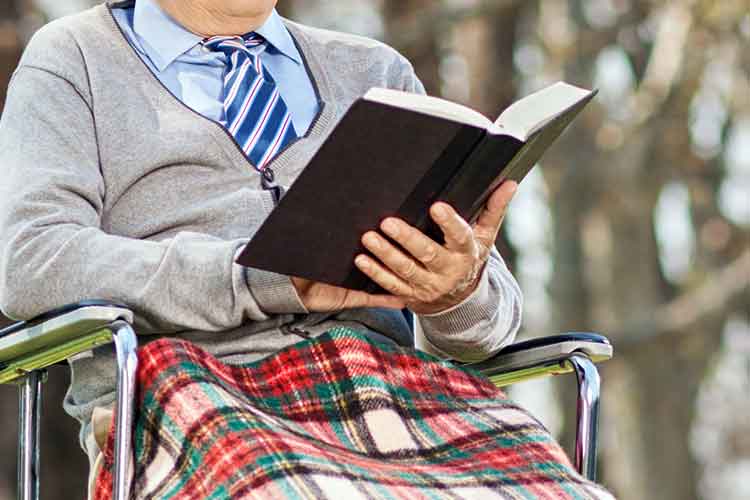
column 274, row 293
column 465, row 315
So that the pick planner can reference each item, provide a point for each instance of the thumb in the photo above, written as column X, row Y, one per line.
column 491, row 218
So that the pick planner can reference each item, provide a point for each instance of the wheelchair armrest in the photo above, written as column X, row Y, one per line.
column 56, row 327
column 542, row 356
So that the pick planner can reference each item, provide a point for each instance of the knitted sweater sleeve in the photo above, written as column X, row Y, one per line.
column 53, row 250
column 484, row 322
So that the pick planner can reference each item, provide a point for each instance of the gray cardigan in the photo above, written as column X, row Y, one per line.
column 111, row 188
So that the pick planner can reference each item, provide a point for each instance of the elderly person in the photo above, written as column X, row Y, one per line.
column 134, row 139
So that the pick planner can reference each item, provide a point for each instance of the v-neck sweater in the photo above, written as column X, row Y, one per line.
column 111, row 188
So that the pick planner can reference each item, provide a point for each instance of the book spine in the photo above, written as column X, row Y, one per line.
column 415, row 209
column 482, row 172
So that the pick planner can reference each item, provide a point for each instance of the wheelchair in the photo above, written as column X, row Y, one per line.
column 27, row 348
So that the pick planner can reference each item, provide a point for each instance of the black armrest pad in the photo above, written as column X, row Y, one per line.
column 554, row 339
column 544, row 350
column 15, row 327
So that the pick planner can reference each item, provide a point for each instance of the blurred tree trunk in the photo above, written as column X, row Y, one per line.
column 608, row 277
column 411, row 28
column 487, row 43
column 10, row 45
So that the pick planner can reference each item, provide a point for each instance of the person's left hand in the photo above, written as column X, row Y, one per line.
column 435, row 277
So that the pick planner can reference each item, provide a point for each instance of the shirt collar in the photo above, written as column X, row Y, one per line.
column 274, row 31
column 166, row 39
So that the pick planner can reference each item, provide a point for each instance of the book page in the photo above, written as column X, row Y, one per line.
column 433, row 106
column 524, row 117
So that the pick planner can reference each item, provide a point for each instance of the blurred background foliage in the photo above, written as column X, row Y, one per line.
column 635, row 225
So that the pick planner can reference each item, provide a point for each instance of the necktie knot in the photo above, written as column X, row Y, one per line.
column 230, row 44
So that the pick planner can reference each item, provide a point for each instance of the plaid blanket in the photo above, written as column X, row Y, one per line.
column 337, row 417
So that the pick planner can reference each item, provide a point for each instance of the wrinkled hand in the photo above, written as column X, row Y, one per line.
column 321, row 297
column 431, row 278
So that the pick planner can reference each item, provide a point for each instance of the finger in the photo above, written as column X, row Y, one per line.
column 491, row 218
column 458, row 234
column 414, row 241
column 356, row 299
column 394, row 259
column 383, row 277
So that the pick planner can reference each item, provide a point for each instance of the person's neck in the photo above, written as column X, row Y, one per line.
column 206, row 19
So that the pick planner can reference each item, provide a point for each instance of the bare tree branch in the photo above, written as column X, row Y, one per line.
column 685, row 311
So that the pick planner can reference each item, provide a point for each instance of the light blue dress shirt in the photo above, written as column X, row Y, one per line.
column 194, row 74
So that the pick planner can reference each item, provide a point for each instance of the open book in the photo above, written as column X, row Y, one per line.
column 395, row 154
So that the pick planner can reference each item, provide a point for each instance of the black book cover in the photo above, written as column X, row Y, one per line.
column 379, row 159
column 383, row 160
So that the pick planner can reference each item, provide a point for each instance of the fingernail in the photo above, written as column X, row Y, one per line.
column 361, row 261
column 439, row 211
column 372, row 241
column 390, row 227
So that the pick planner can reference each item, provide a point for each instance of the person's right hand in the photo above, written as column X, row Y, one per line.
column 321, row 297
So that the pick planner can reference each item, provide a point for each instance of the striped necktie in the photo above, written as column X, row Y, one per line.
column 256, row 115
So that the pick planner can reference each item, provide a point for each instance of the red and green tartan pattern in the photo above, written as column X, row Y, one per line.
column 337, row 417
